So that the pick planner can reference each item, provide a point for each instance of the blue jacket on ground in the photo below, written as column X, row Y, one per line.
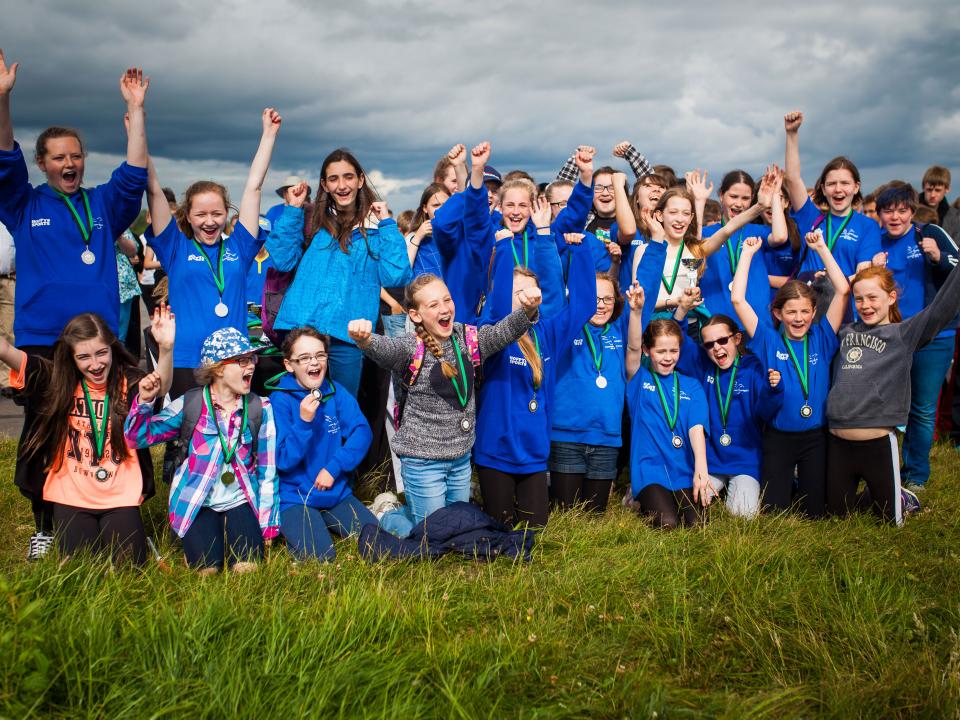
column 53, row 283
column 332, row 287
column 336, row 440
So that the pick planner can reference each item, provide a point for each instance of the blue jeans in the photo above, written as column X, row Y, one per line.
column 125, row 310
column 394, row 325
column 930, row 366
column 428, row 486
column 345, row 363
column 307, row 529
column 204, row 543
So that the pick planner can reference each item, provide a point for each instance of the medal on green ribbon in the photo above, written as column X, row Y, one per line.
column 220, row 308
column 228, row 452
column 86, row 231
column 533, row 404
column 460, row 387
column 526, row 252
column 596, row 354
column 669, row 284
column 833, row 236
column 724, row 403
column 670, row 415
column 99, row 430
column 804, row 373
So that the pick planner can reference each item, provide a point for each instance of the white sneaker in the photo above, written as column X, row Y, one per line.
column 40, row 544
column 384, row 503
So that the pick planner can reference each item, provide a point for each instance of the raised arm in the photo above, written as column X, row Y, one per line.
column 715, row 241
column 156, row 201
column 841, row 288
column 133, row 88
column 573, row 217
column 8, row 78
column 250, row 202
column 738, row 295
column 458, row 156
column 285, row 241
column 697, row 184
column 626, row 222
column 768, row 196
column 796, row 190
column 634, row 352
column 638, row 163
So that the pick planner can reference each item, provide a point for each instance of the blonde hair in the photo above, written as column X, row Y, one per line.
column 519, row 184
column 432, row 344
column 526, row 343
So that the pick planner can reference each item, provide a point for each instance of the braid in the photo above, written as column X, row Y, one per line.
column 449, row 371
column 533, row 358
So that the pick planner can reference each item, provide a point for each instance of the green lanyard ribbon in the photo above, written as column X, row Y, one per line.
column 228, row 452
column 725, row 403
column 85, row 230
column 218, row 271
column 461, row 389
column 676, row 269
column 99, row 433
column 671, row 417
column 831, row 236
column 805, row 373
column 526, row 252
column 597, row 356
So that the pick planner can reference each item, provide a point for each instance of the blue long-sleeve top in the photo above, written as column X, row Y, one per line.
column 336, row 440
column 753, row 404
column 463, row 260
column 717, row 279
column 584, row 412
column 332, row 287
column 510, row 437
column 53, row 283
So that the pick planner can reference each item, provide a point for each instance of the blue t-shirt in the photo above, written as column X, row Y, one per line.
column 718, row 274
column 653, row 458
column 858, row 242
column 770, row 347
column 193, row 291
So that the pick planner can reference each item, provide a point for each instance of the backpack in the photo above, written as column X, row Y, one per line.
column 193, row 407
column 274, row 288
column 410, row 375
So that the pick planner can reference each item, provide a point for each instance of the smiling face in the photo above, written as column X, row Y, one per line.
column 647, row 195
column 63, row 164
column 434, row 309
column 896, row 219
column 724, row 348
column 676, row 217
column 664, row 354
column 342, row 181
column 236, row 374
column 796, row 316
column 93, row 358
column 516, row 207
column 873, row 303
column 207, row 217
column 840, row 188
column 735, row 200
column 606, row 301
column 307, row 362
column 604, row 202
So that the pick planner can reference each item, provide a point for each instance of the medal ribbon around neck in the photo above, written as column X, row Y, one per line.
column 460, row 390
column 85, row 230
column 99, row 433
column 670, row 417
column 734, row 255
column 218, row 271
column 805, row 373
column 526, row 252
column 831, row 236
column 228, row 452
column 725, row 403
column 673, row 277
column 596, row 355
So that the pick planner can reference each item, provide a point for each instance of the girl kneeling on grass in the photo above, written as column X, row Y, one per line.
column 438, row 421
column 96, row 485
column 228, row 481
column 321, row 437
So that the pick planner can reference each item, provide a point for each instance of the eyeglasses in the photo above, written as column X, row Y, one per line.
column 306, row 359
column 606, row 300
column 708, row 345
column 559, row 204
column 243, row 360
column 603, row 189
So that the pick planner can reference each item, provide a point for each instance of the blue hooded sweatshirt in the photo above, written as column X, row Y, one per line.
column 510, row 437
column 53, row 283
column 336, row 440
column 463, row 263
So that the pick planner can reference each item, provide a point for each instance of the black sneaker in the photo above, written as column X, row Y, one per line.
column 40, row 544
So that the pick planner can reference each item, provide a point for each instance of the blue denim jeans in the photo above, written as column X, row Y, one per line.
column 428, row 486
column 204, row 543
column 345, row 363
column 307, row 529
column 930, row 366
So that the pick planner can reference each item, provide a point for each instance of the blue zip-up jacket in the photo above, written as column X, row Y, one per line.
column 753, row 404
column 336, row 440
column 53, row 283
column 510, row 437
column 464, row 260
column 585, row 413
column 333, row 287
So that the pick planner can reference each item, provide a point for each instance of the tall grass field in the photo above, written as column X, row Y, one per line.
column 776, row 618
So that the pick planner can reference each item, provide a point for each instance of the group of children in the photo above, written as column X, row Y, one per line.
column 550, row 338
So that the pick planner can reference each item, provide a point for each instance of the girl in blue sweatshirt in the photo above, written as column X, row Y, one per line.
column 517, row 396
column 801, row 351
column 321, row 437
column 669, row 421
column 208, row 272
column 742, row 396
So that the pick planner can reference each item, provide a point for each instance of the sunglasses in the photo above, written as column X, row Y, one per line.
column 719, row 341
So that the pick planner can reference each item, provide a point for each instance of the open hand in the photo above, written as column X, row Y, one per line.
column 697, row 184
column 8, row 75
column 163, row 326
column 133, row 87
column 635, row 297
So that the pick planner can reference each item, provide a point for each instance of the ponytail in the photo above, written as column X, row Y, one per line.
column 532, row 357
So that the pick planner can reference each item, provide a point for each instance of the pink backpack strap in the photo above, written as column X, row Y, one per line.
column 416, row 362
column 473, row 343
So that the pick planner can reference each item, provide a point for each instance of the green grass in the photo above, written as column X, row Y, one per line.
column 777, row 618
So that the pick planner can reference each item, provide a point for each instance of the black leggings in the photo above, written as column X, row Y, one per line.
column 513, row 498
column 782, row 452
column 118, row 531
column 668, row 509
column 567, row 489
column 875, row 461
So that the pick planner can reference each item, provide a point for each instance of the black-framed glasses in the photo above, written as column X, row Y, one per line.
column 722, row 341
column 559, row 204
column 305, row 358
column 606, row 300
column 603, row 189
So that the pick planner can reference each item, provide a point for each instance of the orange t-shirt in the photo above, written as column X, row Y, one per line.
column 74, row 482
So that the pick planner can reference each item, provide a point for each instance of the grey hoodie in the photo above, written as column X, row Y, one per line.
column 871, row 371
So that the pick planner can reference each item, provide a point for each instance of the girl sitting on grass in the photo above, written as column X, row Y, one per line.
column 96, row 485
column 228, row 481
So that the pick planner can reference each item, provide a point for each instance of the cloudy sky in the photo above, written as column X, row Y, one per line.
column 691, row 84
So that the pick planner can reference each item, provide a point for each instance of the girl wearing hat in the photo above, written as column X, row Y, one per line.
column 227, row 482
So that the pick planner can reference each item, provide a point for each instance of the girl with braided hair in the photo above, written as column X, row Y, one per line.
column 435, row 370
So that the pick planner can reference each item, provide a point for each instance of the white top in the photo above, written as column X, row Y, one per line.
column 8, row 253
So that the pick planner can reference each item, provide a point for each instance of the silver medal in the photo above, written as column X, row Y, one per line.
column 725, row 440
column 88, row 257
column 465, row 425
column 677, row 442
column 101, row 474
column 533, row 405
column 601, row 382
column 806, row 411
column 221, row 310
